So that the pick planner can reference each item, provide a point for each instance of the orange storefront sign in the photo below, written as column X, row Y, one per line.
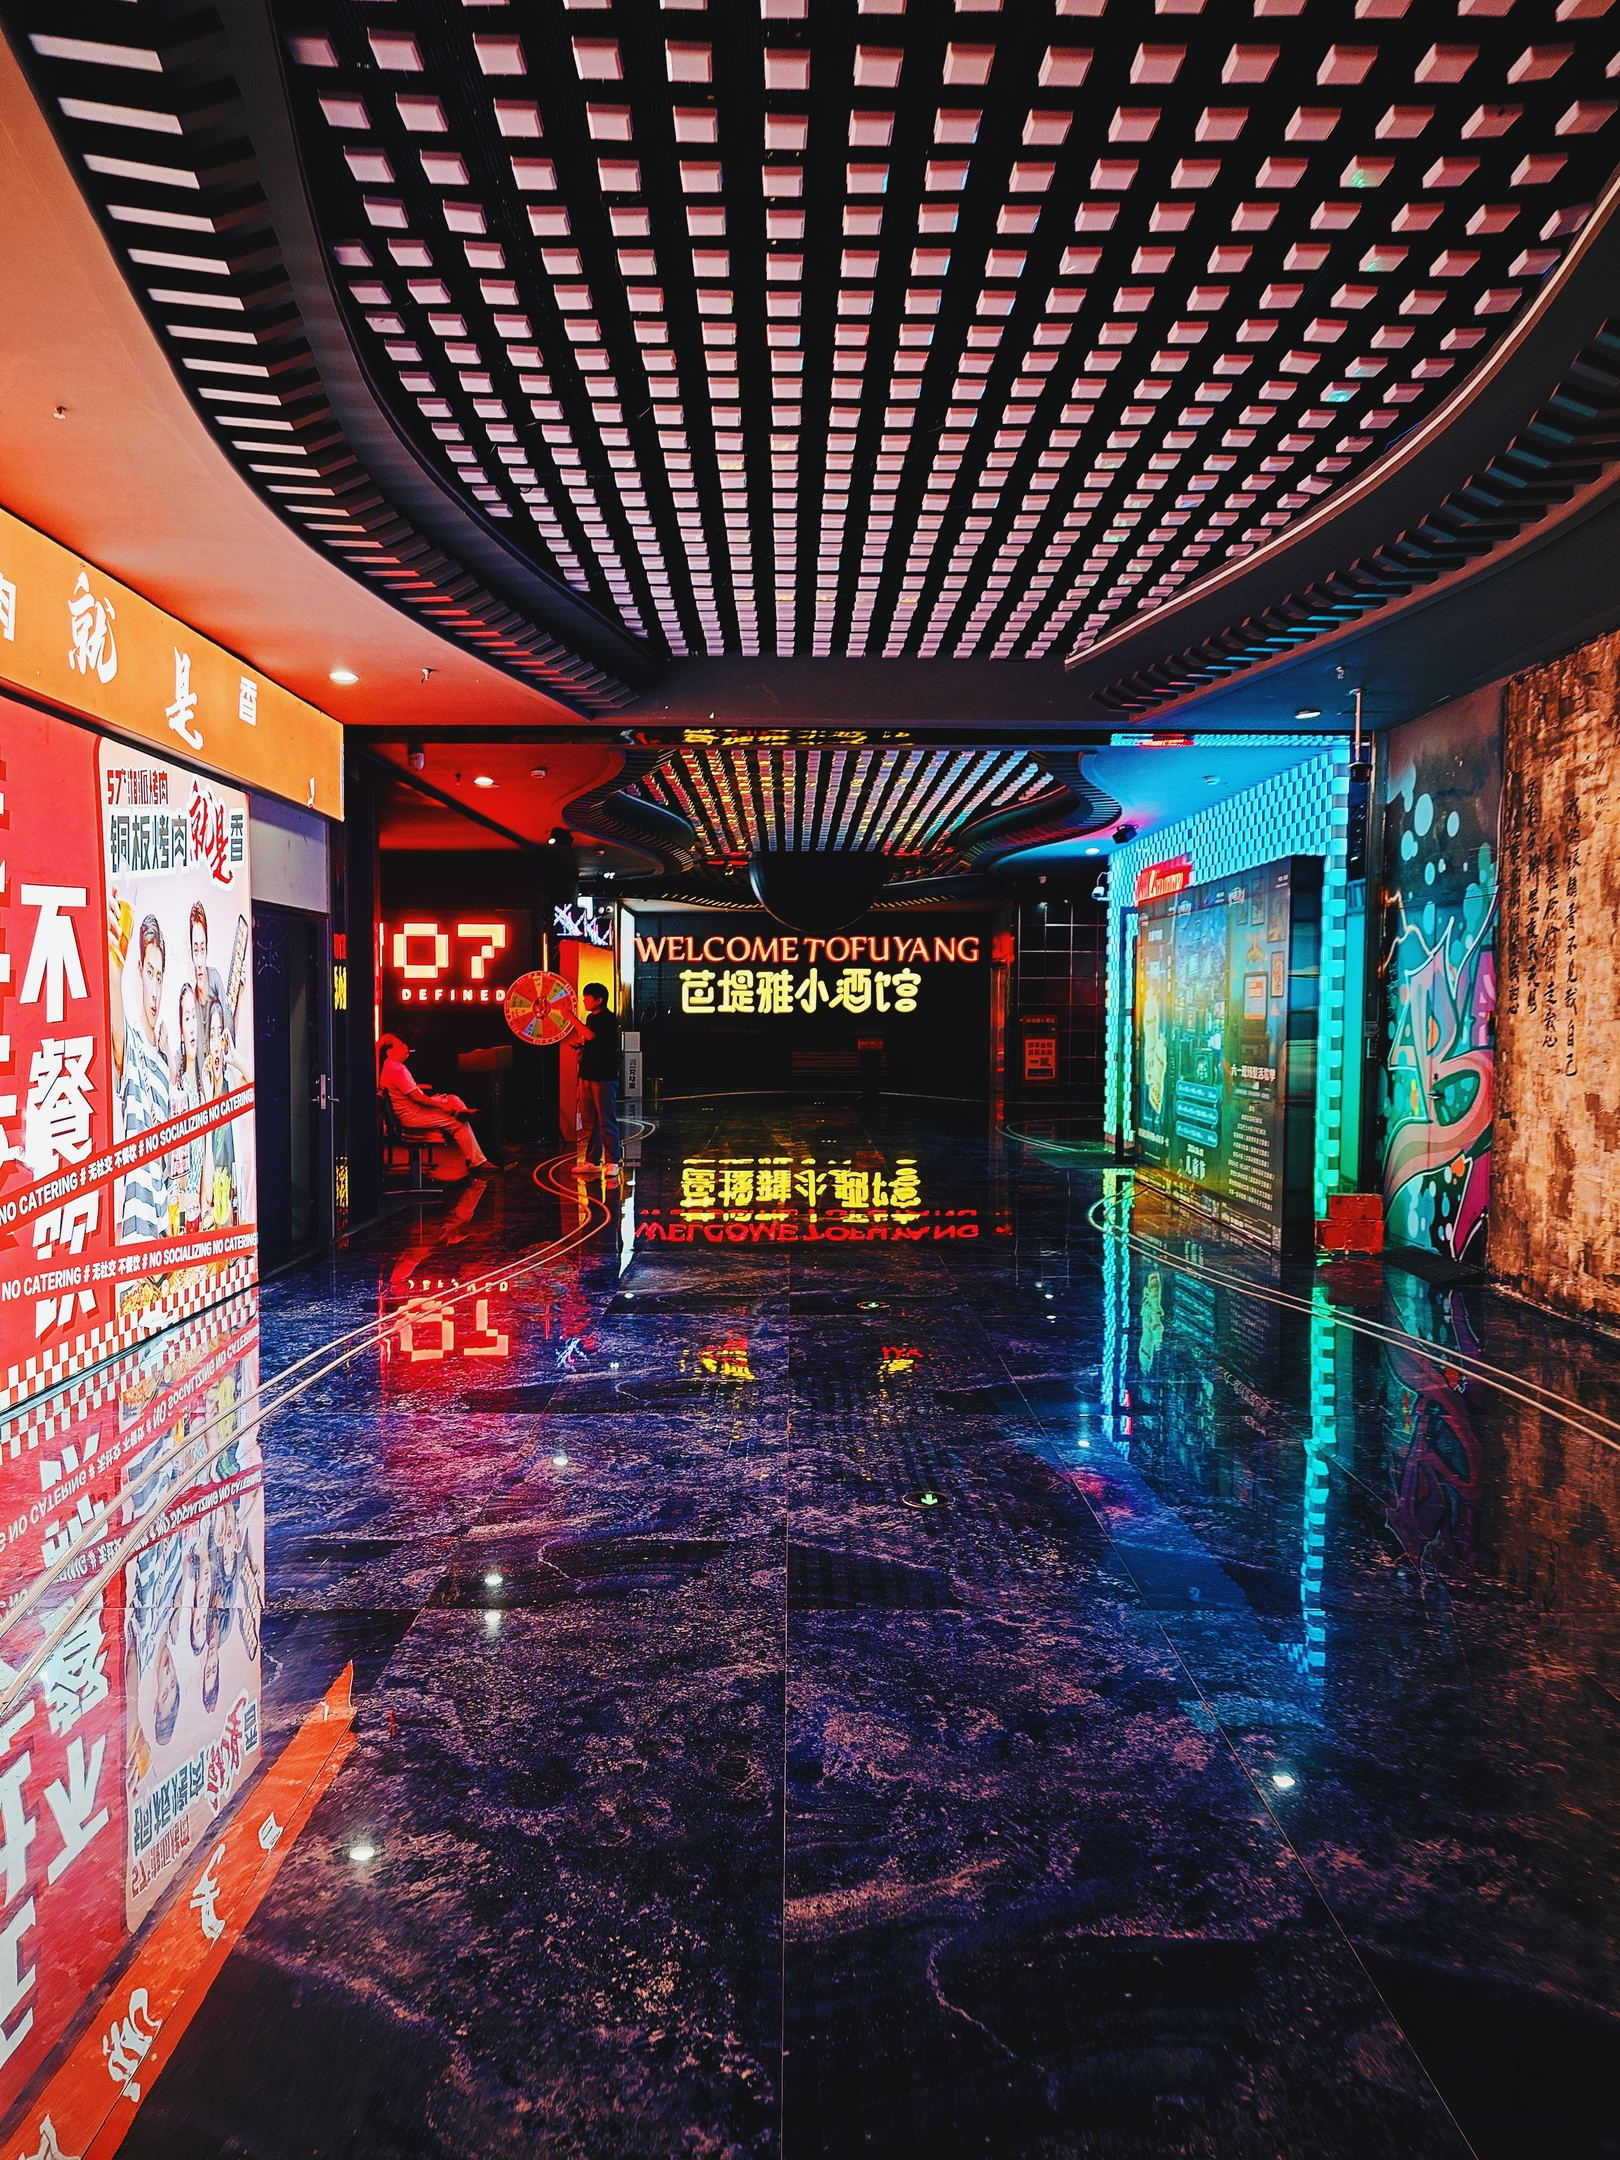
column 88, row 645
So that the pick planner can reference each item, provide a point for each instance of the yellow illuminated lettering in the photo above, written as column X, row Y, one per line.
column 421, row 970
column 491, row 938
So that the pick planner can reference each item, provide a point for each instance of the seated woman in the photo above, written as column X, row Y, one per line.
column 423, row 1115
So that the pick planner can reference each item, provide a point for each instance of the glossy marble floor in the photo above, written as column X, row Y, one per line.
column 882, row 1639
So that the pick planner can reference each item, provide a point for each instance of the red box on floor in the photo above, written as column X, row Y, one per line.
column 1354, row 1223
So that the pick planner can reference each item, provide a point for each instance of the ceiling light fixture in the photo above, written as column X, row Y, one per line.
column 482, row 779
column 343, row 675
column 1309, row 712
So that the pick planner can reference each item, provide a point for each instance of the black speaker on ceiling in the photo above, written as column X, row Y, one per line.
column 819, row 891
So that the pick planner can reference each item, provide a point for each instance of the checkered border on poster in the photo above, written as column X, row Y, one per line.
column 68, row 1404
column 199, row 1287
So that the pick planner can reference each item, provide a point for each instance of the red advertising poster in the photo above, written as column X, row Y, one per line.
column 62, row 1745
column 127, row 1188
column 144, row 1719
column 193, row 1590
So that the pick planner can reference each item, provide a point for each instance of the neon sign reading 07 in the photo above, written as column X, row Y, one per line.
column 463, row 960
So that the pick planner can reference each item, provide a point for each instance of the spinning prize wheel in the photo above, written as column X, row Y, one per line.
column 540, row 1009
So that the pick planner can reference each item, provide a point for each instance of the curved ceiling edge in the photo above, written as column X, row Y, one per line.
column 235, row 339
column 610, row 812
column 1556, row 473
column 1300, row 588
column 1076, row 806
column 260, row 76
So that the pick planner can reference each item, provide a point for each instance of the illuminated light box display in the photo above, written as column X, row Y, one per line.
column 467, row 959
column 77, row 638
column 583, row 924
column 740, row 1003
column 1226, row 1028
column 1160, row 879
column 128, row 1189
column 758, row 975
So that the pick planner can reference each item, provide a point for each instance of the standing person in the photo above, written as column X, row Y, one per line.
column 141, row 1066
column 424, row 1115
column 598, row 1115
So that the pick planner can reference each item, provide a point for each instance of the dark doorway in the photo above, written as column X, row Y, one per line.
column 290, row 1077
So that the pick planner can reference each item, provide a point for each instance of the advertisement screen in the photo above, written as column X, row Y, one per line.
column 737, row 1001
column 1225, row 1039
column 127, row 1184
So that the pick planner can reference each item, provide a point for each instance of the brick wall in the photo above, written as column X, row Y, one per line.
column 1555, row 1207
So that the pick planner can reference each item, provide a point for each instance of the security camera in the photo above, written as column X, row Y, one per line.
column 415, row 757
column 1122, row 833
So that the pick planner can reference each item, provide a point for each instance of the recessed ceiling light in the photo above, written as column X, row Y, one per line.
column 537, row 772
column 482, row 779
column 362, row 1850
column 343, row 675
column 1309, row 712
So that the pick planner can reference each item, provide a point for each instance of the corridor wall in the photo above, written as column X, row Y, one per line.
column 1555, row 1235
column 1441, row 784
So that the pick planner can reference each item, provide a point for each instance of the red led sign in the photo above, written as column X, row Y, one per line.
column 458, row 959
column 1161, row 878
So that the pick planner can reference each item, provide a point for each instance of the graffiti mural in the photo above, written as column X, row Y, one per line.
column 1437, row 1467
column 1442, row 797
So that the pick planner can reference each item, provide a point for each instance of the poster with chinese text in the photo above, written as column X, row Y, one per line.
column 179, row 946
column 193, row 1594
column 127, row 1185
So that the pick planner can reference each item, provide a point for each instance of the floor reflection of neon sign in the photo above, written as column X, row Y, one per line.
column 782, row 1199
column 464, row 960
column 429, row 1330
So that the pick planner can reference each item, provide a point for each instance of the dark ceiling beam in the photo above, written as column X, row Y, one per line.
column 903, row 692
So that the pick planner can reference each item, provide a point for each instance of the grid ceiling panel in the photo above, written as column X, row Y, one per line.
column 930, row 328
column 905, row 803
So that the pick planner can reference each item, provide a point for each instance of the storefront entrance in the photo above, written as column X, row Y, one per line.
column 293, row 1082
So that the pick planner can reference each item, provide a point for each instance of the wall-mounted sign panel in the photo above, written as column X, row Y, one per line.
column 1226, row 1013
column 1160, row 879
column 737, row 1002
column 465, row 958
column 128, row 1191
column 580, row 923
column 86, row 644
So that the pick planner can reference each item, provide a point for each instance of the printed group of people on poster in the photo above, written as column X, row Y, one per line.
column 180, row 1025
